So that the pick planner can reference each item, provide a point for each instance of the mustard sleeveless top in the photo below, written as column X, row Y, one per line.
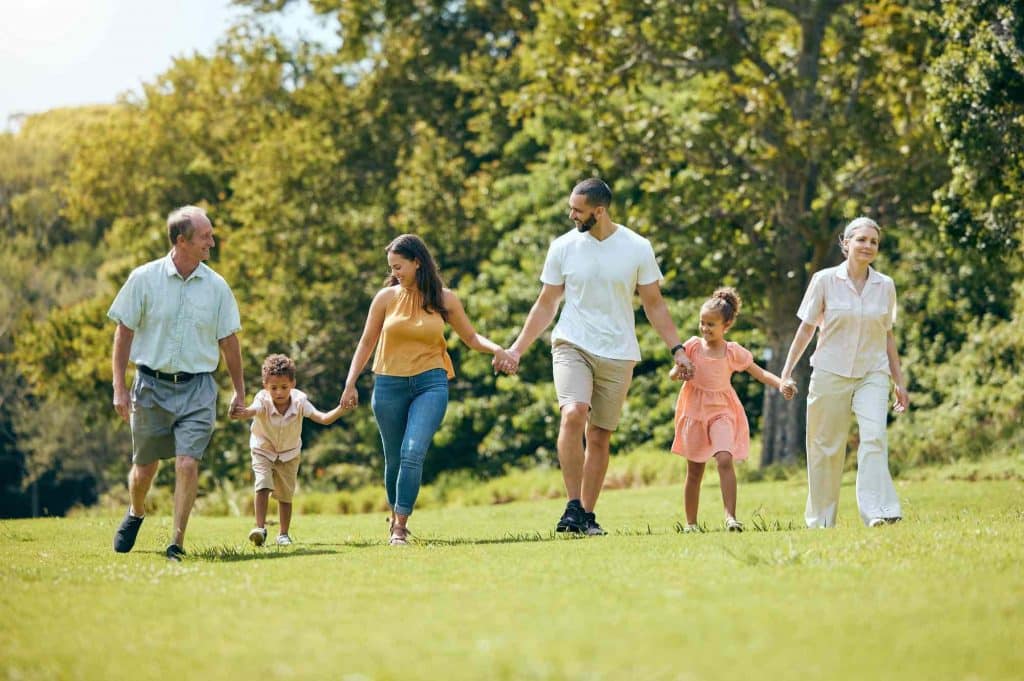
column 412, row 340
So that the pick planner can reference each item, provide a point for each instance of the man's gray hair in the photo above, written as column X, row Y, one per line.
column 181, row 221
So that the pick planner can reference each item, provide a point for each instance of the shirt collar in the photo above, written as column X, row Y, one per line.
column 293, row 408
column 844, row 273
column 172, row 271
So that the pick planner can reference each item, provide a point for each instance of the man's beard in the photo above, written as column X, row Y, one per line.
column 585, row 226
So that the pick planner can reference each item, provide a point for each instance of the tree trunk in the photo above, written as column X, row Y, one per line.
column 782, row 436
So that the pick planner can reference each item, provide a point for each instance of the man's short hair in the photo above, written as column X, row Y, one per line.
column 181, row 221
column 595, row 191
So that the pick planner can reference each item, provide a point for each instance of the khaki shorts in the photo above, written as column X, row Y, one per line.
column 278, row 476
column 583, row 378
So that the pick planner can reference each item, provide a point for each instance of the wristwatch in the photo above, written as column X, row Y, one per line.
column 676, row 348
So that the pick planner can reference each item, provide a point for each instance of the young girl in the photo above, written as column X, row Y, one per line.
column 710, row 421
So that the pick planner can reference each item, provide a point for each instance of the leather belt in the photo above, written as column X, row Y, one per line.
column 180, row 377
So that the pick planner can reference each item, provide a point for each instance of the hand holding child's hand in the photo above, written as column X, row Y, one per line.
column 788, row 389
column 676, row 373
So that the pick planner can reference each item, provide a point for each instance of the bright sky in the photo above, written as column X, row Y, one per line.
column 56, row 53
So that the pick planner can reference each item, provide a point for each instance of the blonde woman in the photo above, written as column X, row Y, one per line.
column 853, row 308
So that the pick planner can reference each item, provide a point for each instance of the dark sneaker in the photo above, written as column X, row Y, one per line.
column 124, row 538
column 573, row 519
column 593, row 529
column 175, row 553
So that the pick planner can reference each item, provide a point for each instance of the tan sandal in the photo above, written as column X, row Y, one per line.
column 399, row 536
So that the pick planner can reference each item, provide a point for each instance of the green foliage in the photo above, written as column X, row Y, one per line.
column 738, row 136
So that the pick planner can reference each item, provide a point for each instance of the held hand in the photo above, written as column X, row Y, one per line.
column 902, row 400
column 121, row 402
column 684, row 365
column 788, row 389
column 676, row 373
column 506, row 361
column 349, row 398
column 236, row 406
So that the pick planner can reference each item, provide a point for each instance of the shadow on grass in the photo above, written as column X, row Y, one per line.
column 233, row 554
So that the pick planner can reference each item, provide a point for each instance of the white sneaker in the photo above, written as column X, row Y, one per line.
column 691, row 528
column 284, row 540
column 258, row 535
column 876, row 522
column 733, row 525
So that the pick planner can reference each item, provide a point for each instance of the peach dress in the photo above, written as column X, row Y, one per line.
column 709, row 415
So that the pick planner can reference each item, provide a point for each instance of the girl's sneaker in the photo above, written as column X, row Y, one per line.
column 284, row 540
column 258, row 535
column 733, row 525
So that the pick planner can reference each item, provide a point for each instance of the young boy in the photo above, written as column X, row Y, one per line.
column 276, row 441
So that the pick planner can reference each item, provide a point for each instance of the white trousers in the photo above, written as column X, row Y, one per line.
column 831, row 399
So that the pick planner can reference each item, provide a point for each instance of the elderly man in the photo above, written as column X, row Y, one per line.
column 174, row 317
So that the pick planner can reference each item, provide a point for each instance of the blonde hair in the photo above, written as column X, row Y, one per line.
column 853, row 226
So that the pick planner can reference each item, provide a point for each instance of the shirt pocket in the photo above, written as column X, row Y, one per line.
column 837, row 310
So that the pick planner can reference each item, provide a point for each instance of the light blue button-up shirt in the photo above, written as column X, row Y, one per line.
column 177, row 322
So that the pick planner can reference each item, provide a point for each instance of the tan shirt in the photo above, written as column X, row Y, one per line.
column 278, row 436
column 411, row 341
column 852, row 327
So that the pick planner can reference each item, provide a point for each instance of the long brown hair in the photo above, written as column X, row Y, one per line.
column 428, row 279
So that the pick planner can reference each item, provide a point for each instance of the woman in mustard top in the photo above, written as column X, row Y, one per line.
column 405, row 332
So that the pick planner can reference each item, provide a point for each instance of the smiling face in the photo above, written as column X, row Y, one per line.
column 403, row 269
column 198, row 247
column 712, row 327
column 862, row 245
column 581, row 213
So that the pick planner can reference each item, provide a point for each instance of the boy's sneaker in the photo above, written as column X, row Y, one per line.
column 593, row 529
column 175, row 553
column 573, row 519
column 258, row 535
column 284, row 540
column 127, row 531
column 692, row 528
column 733, row 525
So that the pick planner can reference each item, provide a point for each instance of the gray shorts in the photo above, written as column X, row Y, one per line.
column 171, row 419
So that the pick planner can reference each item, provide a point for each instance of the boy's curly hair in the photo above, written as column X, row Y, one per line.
column 278, row 365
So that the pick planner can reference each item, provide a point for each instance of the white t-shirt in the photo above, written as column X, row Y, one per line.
column 278, row 436
column 600, row 279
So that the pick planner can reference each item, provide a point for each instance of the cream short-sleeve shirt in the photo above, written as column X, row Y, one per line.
column 278, row 436
column 852, row 327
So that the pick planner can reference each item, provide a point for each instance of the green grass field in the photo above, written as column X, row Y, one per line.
column 490, row 592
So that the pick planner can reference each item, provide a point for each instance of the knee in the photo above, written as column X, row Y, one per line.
column 724, row 461
column 186, row 465
column 873, row 437
column 574, row 416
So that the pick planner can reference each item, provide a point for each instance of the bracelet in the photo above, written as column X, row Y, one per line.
column 676, row 348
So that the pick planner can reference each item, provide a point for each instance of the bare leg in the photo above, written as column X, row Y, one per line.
column 139, row 481
column 261, row 502
column 691, row 493
column 727, row 479
column 186, row 481
column 595, row 465
column 570, row 447
column 284, row 513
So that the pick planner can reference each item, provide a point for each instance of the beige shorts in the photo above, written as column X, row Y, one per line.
column 278, row 476
column 581, row 377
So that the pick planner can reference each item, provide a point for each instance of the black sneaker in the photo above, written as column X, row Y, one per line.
column 593, row 529
column 175, row 553
column 573, row 519
column 127, row 531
